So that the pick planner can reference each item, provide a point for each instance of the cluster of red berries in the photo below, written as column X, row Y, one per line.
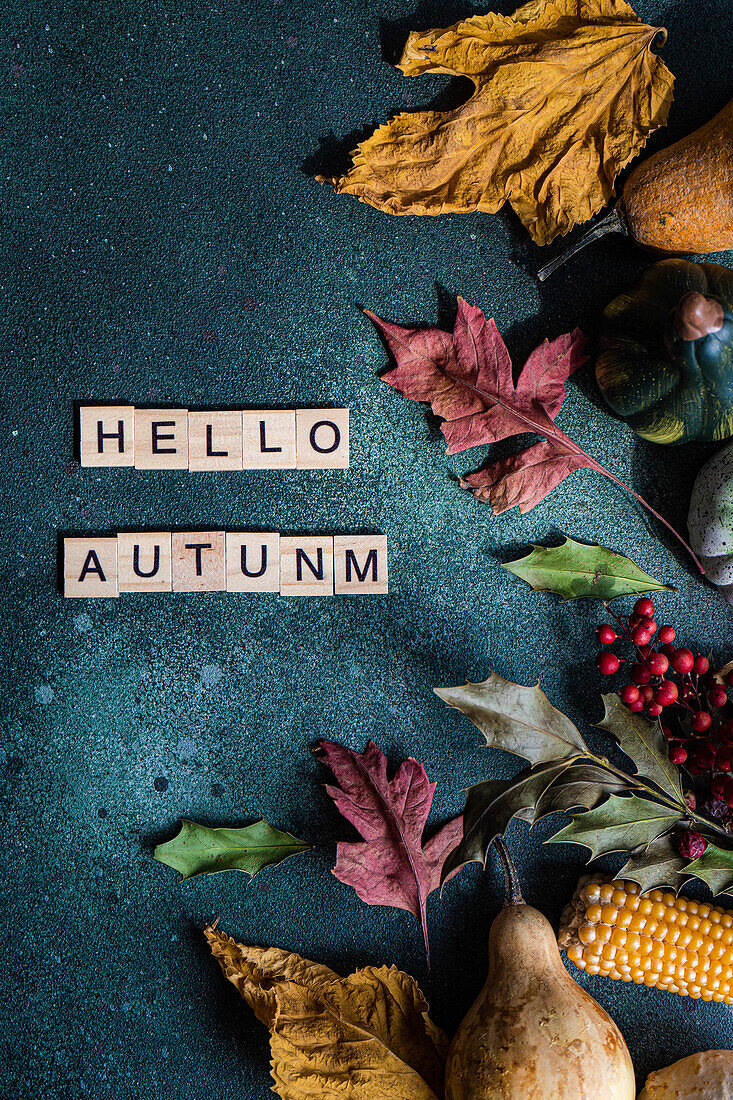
column 678, row 687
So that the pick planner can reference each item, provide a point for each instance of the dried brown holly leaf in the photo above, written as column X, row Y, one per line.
column 363, row 1037
column 566, row 93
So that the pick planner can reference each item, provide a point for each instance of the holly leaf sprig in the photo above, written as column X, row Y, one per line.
column 610, row 810
column 576, row 570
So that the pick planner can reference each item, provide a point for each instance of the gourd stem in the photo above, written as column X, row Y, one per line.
column 511, row 878
column 612, row 223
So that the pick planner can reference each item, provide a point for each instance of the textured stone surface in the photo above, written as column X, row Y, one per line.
column 165, row 243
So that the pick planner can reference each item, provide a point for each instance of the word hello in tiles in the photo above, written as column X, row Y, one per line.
column 179, row 439
column 218, row 561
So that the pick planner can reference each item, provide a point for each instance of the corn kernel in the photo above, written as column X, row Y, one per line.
column 676, row 944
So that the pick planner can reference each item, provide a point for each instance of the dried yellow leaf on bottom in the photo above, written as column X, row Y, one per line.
column 363, row 1037
column 566, row 93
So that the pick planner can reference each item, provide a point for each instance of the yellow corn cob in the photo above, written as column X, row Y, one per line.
column 657, row 939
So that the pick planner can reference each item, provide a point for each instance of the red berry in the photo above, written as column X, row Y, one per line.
column 644, row 606
column 724, row 759
column 653, row 710
column 668, row 735
column 701, row 722
column 703, row 758
column 691, row 845
column 717, row 786
column 647, row 693
column 702, row 664
column 607, row 663
column 640, row 636
column 728, row 792
column 725, row 733
column 677, row 754
column 667, row 634
column 649, row 624
column 667, row 649
column 657, row 664
column 636, row 706
column 629, row 693
column 606, row 634
column 666, row 693
column 683, row 660
column 639, row 674
column 717, row 697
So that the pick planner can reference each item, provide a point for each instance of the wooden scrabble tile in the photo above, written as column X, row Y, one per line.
column 161, row 439
column 253, row 562
column 322, row 439
column 107, row 435
column 360, row 564
column 90, row 567
column 215, row 440
column 144, row 561
column 268, row 439
column 306, row 566
column 198, row 561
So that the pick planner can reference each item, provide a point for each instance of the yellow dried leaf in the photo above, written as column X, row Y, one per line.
column 566, row 93
column 364, row 1037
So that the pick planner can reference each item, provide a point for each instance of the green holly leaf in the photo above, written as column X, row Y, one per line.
column 619, row 825
column 199, row 850
column 580, row 786
column 715, row 867
column 520, row 720
column 658, row 864
column 644, row 743
column 576, row 570
column 491, row 805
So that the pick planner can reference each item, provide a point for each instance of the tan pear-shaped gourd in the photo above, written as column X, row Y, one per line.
column 533, row 1033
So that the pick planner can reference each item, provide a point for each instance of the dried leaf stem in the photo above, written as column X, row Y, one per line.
column 545, row 427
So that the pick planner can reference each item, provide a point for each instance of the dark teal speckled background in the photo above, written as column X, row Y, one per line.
column 164, row 241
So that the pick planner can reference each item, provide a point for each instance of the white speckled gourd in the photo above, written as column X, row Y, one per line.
column 710, row 521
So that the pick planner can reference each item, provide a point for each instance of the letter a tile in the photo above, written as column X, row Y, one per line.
column 90, row 567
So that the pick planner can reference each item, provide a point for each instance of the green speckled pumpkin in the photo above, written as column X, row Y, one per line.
column 665, row 363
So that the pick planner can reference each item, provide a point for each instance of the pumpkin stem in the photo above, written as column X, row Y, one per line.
column 697, row 316
column 511, row 878
column 612, row 223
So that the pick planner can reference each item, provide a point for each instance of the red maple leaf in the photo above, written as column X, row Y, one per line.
column 466, row 376
column 391, row 866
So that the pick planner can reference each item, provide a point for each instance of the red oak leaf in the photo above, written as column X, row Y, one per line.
column 466, row 376
column 391, row 866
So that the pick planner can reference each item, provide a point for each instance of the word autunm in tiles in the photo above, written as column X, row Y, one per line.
column 231, row 561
